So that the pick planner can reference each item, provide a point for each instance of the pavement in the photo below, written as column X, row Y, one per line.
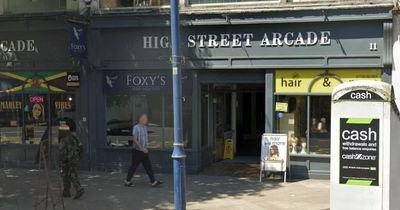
column 20, row 188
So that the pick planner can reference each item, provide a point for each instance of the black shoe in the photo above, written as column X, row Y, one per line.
column 79, row 194
column 66, row 194
column 156, row 183
column 128, row 184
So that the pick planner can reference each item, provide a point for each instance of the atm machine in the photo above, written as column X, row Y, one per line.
column 365, row 147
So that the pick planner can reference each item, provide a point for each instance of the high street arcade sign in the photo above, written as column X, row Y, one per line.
column 273, row 39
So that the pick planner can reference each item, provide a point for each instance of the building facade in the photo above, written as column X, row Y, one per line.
column 248, row 68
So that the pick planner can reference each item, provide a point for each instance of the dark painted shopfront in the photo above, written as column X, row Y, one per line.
column 38, row 87
column 243, row 75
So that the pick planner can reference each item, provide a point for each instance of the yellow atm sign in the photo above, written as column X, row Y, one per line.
column 319, row 81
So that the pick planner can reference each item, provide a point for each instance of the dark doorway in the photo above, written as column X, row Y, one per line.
column 235, row 112
column 250, row 119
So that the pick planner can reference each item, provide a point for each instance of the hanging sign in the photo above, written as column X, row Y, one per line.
column 359, row 151
column 274, row 152
column 78, row 40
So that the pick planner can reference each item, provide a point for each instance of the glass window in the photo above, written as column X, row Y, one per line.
column 148, row 92
column 122, row 111
column 62, row 109
column 30, row 6
column 186, row 121
column 320, row 118
column 228, row 1
column 291, row 118
column 11, row 119
column 25, row 117
column 204, row 115
column 106, row 4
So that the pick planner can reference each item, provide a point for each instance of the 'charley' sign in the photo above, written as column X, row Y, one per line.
column 274, row 39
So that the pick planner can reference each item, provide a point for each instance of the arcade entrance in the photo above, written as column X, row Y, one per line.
column 233, row 111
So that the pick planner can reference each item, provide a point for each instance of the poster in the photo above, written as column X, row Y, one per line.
column 281, row 107
column 359, row 151
column 274, row 152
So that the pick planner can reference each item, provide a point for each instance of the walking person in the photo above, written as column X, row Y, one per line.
column 70, row 151
column 140, row 153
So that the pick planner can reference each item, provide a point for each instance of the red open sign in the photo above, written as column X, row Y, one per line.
column 13, row 123
column 36, row 99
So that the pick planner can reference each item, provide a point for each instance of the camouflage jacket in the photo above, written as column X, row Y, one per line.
column 70, row 148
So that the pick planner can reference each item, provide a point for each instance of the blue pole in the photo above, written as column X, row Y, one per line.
column 178, row 154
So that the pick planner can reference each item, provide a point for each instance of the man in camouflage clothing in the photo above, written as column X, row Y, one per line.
column 70, row 150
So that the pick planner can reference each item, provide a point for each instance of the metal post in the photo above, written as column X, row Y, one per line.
column 178, row 154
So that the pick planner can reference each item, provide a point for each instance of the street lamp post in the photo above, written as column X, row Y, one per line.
column 178, row 154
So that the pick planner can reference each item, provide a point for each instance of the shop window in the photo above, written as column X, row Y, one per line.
column 320, row 112
column 186, row 122
column 11, row 119
column 122, row 111
column 33, row 106
column 204, row 116
column 306, row 120
column 35, row 6
column 63, row 107
column 109, row 4
column 25, row 117
column 291, row 118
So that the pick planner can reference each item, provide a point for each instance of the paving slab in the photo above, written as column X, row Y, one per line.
column 105, row 191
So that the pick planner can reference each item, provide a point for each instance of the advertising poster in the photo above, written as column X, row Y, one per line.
column 274, row 152
column 359, row 151
column 35, row 108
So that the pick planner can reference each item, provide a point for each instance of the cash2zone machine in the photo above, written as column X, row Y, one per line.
column 365, row 147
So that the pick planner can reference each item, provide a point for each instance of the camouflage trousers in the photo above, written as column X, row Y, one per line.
column 69, row 174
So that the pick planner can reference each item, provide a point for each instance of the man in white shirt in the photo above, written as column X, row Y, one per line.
column 140, row 153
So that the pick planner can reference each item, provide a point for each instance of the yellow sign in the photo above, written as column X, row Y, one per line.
column 228, row 152
column 281, row 107
column 319, row 81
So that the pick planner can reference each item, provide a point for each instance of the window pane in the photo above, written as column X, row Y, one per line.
column 292, row 120
column 108, row 4
column 122, row 111
column 11, row 119
column 320, row 118
column 204, row 116
column 153, row 108
column 62, row 108
column 169, row 121
column 227, row 1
